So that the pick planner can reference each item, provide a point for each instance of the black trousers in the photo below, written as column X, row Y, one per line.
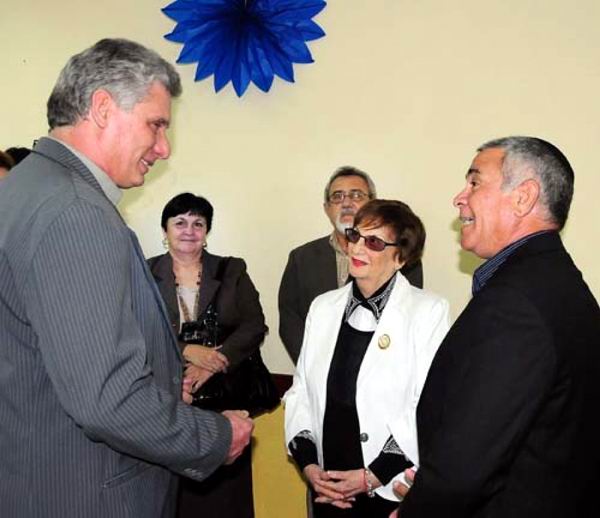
column 227, row 493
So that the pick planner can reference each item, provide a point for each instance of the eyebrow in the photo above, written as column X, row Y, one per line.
column 163, row 122
column 472, row 171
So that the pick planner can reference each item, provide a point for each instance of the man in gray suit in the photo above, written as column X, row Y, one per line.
column 322, row 265
column 90, row 374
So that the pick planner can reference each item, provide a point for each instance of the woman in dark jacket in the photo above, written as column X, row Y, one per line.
column 190, row 280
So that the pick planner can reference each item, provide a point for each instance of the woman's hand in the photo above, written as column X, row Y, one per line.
column 352, row 482
column 197, row 376
column 319, row 481
column 208, row 358
column 186, row 391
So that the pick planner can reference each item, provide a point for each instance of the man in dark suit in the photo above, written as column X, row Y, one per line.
column 508, row 421
column 322, row 265
column 90, row 373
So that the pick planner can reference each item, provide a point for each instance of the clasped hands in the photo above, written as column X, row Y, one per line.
column 338, row 488
column 202, row 363
column 209, row 358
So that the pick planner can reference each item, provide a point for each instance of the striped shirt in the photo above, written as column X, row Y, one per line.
column 485, row 272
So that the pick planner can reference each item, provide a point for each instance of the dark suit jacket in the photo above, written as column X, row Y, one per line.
column 311, row 270
column 508, row 421
column 90, row 373
column 238, row 306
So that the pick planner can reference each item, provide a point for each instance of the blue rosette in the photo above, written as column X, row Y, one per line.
column 244, row 41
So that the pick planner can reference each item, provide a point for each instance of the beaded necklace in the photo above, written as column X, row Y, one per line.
column 184, row 308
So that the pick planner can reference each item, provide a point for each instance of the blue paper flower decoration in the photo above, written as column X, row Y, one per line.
column 244, row 40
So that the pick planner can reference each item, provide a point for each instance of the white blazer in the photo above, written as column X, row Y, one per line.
column 390, row 379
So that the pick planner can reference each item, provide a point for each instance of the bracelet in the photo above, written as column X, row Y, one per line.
column 368, row 483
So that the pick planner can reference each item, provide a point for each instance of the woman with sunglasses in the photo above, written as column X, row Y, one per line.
column 350, row 413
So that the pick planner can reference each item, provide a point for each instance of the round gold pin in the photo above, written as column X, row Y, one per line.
column 384, row 341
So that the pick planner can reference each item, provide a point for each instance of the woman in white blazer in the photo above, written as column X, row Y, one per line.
column 350, row 414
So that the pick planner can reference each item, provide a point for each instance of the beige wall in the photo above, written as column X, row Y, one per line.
column 404, row 89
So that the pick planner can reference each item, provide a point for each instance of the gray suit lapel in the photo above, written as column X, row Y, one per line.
column 144, row 266
column 58, row 153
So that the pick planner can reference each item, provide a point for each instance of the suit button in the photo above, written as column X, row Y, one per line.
column 364, row 437
column 176, row 380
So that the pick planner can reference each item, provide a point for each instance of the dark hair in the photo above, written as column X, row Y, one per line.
column 124, row 68
column 526, row 155
column 405, row 225
column 185, row 203
column 18, row 153
column 348, row 170
column 6, row 161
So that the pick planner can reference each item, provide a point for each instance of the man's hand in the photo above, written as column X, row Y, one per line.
column 321, row 484
column 206, row 357
column 241, row 433
column 401, row 489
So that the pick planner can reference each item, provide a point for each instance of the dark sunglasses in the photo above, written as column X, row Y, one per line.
column 371, row 242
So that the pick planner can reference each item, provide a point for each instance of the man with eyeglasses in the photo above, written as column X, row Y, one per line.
column 322, row 265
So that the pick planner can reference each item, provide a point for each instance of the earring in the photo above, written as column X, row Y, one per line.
column 165, row 243
column 205, row 244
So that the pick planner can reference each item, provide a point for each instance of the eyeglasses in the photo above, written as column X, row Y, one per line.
column 354, row 195
column 371, row 242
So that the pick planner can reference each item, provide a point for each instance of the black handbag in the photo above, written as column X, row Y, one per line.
column 248, row 387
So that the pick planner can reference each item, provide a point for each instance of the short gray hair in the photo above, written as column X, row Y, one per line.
column 551, row 168
column 123, row 68
column 348, row 170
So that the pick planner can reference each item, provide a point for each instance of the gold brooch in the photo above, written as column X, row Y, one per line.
column 384, row 341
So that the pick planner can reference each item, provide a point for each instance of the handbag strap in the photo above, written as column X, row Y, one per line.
column 210, row 316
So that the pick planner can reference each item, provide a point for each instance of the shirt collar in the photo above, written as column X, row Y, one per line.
column 375, row 303
column 109, row 188
column 484, row 273
column 335, row 244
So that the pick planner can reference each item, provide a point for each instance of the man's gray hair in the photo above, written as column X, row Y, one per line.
column 348, row 170
column 526, row 155
column 123, row 68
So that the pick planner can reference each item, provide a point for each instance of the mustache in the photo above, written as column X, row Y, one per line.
column 347, row 211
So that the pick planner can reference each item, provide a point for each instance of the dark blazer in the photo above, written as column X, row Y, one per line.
column 90, row 374
column 238, row 306
column 311, row 270
column 508, row 421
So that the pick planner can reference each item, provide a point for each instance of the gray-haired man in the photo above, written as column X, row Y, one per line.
column 508, row 418
column 90, row 376
column 322, row 265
